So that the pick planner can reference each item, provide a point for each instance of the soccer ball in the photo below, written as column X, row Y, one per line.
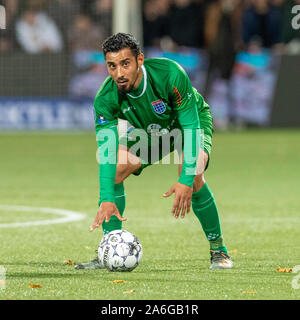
column 120, row 250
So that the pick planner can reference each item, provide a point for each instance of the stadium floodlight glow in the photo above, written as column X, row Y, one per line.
column 2, row 18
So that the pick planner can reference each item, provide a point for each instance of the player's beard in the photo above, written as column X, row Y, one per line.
column 124, row 88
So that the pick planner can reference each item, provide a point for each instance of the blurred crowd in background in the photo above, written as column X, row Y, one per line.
column 228, row 36
column 219, row 26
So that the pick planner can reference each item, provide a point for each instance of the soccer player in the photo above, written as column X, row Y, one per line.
column 155, row 95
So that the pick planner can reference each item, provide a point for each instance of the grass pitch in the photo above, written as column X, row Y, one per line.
column 255, row 178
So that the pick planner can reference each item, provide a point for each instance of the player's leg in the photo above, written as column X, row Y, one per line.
column 204, row 206
column 205, row 209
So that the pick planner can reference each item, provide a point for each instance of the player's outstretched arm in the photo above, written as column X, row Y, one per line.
column 107, row 174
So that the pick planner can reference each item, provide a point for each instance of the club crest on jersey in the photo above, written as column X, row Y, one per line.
column 101, row 120
column 159, row 106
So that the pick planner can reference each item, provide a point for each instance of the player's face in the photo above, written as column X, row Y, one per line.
column 125, row 69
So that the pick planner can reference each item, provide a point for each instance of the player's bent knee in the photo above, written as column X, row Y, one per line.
column 118, row 179
column 124, row 170
column 127, row 164
column 120, row 174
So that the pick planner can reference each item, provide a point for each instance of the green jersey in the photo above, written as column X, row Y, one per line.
column 164, row 91
column 164, row 99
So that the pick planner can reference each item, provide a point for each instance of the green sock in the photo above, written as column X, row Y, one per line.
column 120, row 200
column 205, row 209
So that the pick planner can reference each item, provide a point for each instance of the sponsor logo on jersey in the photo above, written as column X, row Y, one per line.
column 159, row 106
column 101, row 120
column 156, row 129
column 153, row 127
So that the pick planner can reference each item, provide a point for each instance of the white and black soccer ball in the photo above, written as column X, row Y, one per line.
column 120, row 250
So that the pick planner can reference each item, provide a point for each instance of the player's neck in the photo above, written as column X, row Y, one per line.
column 139, row 79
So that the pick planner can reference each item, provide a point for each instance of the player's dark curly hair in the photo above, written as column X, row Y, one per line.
column 121, row 41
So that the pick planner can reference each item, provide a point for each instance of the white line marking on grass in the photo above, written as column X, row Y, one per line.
column 67, row 216
column 262, row 219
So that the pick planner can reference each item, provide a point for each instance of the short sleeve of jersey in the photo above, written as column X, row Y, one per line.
column 105, row 110
column 180, row 89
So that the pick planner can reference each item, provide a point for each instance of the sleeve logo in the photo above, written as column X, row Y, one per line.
column 101, row 120
column 178, row 96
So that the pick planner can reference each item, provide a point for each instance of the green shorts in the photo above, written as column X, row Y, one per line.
column 145, row 148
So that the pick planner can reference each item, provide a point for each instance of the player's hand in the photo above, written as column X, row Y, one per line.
column 182, row 201
column 105, row 212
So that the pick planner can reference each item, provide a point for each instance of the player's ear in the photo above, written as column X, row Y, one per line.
column 140, row 59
